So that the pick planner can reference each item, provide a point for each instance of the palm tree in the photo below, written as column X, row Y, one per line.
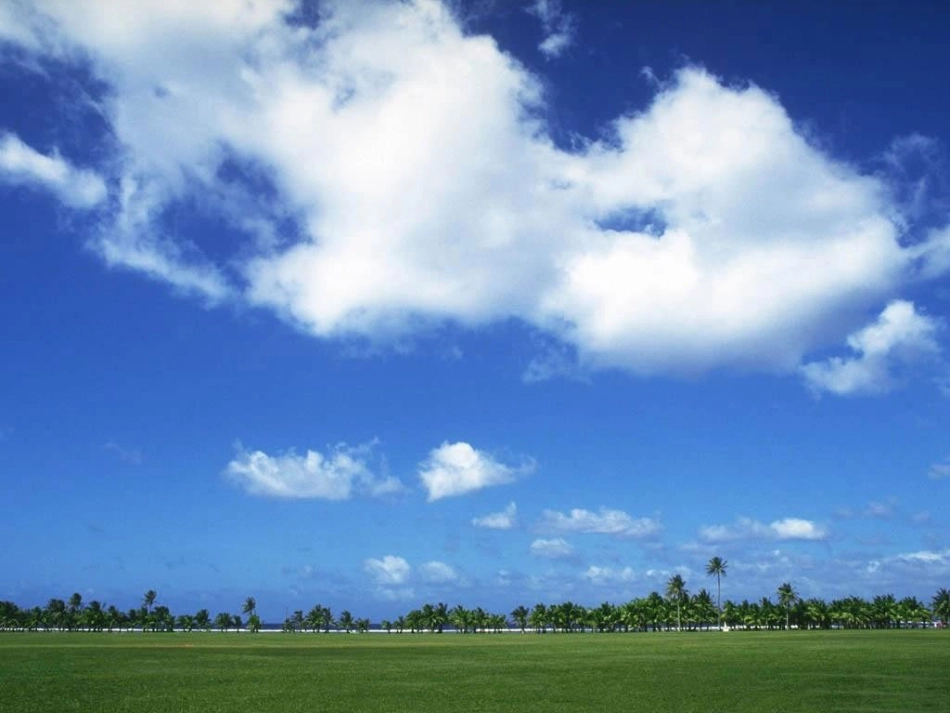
column 346, row 621
column 786, row 597
column 148, row 600
column 75, row 607
column 250, row 606
column 538, row 617
column 676, row 592
column 223, row 621
column 520, row 615
column 440, row 616
column 717, row 567
column 428, row 616
column 941, row 605
column 203, row 619
column 461, row 618
column 55, row 613
column 254, row 623
column 93, row 617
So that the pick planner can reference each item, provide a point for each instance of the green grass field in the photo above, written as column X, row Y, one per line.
column 735, row 672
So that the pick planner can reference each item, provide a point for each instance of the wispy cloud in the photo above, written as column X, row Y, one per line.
column 457, row 468
column 559, row 27
column 939, row 471
column 504, row 520
column 132, row 456
column 21, row 164
column 605, row 521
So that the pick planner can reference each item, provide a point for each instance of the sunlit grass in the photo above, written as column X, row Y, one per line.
column 735, row 672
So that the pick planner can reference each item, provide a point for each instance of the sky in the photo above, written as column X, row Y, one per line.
column 372, row 304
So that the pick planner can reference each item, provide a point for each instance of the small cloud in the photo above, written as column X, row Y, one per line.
column 22, row 164
column 939, row 471
column 504, row 520
column 390, row 570
column 878, row 510
column 790, row 528
column 342, row 473
column 458, row 468
column 899, row 336
column 559, row 27
column 605, row 521
column 607, row 575
column 127, row 455
column 552, row 549
column 437, row 573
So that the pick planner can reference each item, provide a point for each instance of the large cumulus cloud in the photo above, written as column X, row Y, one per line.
column 383, row 171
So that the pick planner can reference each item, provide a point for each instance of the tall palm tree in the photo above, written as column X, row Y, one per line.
column 786, row 597
column 55, row 613
column 716, row 567
column 676, row 592
column 149, row 599
column 250, row 606
column 75, row 607
column 347, row 621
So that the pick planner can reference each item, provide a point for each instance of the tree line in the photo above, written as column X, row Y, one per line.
column 674, row 609
column 73, row 614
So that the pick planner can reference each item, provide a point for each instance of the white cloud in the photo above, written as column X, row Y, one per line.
column 22, row 164
column 504, row 520
column 899, row 335
column 922, row 564
column 559, row 27
column 939, row 471
column 342, row 473
column 790, row 528
column 458, row 468
column 705, row 231
column 609, row 576
column 388, row 571
column 557, row 548
column 437, row 573
column 605, row 521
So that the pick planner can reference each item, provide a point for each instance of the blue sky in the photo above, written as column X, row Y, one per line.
column 372, row 304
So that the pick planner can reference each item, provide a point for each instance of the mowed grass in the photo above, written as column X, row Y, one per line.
column 734, row 672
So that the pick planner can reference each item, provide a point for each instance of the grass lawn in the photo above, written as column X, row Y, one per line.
column 736, row 672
